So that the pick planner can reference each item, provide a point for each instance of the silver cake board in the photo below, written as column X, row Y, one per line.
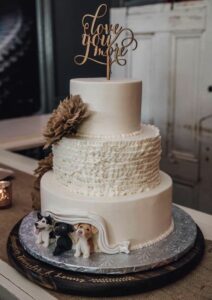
column 170, row 249
column 176, row 256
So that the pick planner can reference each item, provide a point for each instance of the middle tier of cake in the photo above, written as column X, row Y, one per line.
column 118, row 166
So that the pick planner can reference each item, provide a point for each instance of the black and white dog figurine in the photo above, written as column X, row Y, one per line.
column 44, row 230
column 64, row 242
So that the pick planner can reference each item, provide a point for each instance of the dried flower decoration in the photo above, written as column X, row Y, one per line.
column 35, row 195
column 44, row 165
column 65, row 120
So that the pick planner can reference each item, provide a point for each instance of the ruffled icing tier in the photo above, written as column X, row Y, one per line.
column 101, row 167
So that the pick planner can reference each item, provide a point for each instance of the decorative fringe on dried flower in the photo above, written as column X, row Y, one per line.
column 44, row 165
column 65, row 120
column 35, row 195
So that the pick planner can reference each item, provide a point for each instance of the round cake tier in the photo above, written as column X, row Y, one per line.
column 140, row 219
column 109, row 167
column 115, row 105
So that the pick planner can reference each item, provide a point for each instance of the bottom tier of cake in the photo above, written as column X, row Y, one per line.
column 124, row 223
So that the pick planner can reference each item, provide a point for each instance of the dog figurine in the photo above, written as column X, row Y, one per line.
column 44, row 230
column 84, row 239
column 64, row 242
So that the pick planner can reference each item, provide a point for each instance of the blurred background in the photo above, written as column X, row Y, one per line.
column 39, row 39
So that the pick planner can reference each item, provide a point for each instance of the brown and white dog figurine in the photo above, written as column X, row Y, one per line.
column 84, row 239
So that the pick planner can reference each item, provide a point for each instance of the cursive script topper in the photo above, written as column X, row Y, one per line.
column 104, row 44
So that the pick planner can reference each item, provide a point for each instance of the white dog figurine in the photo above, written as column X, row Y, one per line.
column 44, row 230
column 84, row 239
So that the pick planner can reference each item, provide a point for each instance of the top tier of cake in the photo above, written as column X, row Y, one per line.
column 115, row 106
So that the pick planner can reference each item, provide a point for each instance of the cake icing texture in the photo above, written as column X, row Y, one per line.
column 108, row 173
column 114, row 167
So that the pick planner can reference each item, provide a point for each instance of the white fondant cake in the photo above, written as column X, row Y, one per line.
column 140, row 219
column 108, row 174
column 115, row 105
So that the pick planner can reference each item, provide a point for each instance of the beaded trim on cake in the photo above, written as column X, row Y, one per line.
column 96, row 167
column 122, row 135
column 154, row 241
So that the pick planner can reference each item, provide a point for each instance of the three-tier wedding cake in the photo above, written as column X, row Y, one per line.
column 108, row 174
column 103, row 224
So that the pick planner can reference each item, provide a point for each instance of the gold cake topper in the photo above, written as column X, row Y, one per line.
column 104, row 44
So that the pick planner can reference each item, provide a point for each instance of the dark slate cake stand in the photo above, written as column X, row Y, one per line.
column 108, row 275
